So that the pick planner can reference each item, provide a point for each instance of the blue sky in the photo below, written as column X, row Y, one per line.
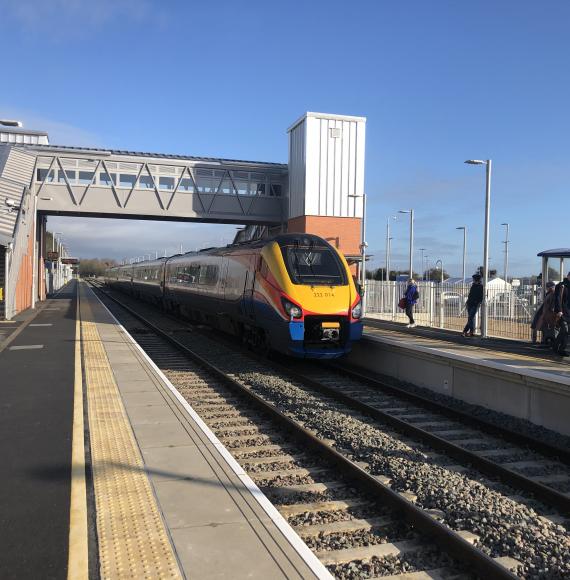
column 439, row 82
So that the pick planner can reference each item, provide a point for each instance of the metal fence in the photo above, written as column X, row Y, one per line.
column 442, row 305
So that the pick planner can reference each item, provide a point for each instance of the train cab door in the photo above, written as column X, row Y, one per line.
column 224, row 290
column 249, row 285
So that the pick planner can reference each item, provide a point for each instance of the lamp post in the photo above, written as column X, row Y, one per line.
column 411, row 212
column 388, row 246
column 53, row 262
column 422, row 250
column 484, row 313
column 506, row 242
column 440, row 262
column 427, row 268
column 464, row 228
column 363, row 243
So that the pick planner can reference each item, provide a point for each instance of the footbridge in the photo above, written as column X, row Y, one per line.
column 126, row 184
column 320, row 190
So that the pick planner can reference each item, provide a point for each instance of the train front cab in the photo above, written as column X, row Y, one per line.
column 305, row 298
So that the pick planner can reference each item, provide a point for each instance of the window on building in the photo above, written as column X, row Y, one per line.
column 69, row 174
column 127, row 180
column 166, row 183
column 242, row 187
column 85, row 177
column 42, row 175
column 107, row 179
column 259, row 189
column 186, row 185
column 275, row 190
column 146, row 182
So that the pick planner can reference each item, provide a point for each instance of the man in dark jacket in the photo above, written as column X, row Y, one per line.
column 562, row 309
column 474, row 300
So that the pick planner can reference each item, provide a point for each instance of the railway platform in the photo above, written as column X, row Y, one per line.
column 511, row 377
column 110, row 472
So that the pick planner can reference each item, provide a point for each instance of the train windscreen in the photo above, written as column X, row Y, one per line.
column 314, row 266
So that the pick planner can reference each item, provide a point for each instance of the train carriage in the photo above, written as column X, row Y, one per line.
column 293, row 293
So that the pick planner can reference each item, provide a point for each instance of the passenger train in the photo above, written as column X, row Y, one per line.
column 293, row 293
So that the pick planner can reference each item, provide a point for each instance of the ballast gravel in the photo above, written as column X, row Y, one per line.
column 505, row 527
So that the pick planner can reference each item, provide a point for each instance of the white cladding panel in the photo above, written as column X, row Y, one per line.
column 297, row 168
column 329, row 151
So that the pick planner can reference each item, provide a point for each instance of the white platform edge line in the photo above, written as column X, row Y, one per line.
column 543, row 375
column 299, row 546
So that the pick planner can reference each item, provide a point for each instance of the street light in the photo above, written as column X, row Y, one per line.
column 388, row 238
column 53, row 235
column 411, row 212
column 363, row 243
column 422, row 250
column 440, row 262
column 506, row 242
column 464, row 228
column 427, row 268
column 488, row 164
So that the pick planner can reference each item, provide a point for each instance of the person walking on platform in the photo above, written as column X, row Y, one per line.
column 474, row 300
column 411, row 297
column 545, row 319
column 562, row 309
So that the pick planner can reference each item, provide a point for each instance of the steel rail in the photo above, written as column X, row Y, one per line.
column 543, row 492
column 546, row 494
column 549, row 449
column 446, row 538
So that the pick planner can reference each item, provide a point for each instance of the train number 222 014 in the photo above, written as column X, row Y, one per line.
column 323, row 294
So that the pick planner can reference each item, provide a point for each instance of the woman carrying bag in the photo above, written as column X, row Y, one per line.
column 409, row 300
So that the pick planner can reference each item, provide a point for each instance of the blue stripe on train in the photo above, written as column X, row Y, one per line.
column 287, row 337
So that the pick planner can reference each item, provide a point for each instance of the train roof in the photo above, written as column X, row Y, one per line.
column 289, row 239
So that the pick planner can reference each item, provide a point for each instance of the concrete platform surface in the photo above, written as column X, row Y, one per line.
column 36, row 415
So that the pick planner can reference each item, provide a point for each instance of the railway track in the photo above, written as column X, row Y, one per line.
column 357, row 530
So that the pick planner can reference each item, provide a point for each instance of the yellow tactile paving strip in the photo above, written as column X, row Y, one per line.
column 133, row 542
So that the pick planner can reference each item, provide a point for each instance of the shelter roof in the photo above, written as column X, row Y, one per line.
column 556, row 253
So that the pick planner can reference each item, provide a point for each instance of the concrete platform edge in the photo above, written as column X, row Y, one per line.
column 543, row 377
column 517, row 391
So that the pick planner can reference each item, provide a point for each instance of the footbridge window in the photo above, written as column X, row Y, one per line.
column 145, row 176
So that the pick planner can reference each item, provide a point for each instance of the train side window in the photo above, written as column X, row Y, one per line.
column 264, row 268
column 193, row 274
column 212, row 275
column 209, row 275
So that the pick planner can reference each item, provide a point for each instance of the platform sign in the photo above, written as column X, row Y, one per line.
column 52, row 256
column 72, row 261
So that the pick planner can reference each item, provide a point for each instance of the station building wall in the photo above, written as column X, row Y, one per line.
column 25, row 277
column 341, row 232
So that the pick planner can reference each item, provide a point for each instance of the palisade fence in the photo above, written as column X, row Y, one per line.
column 442, row 305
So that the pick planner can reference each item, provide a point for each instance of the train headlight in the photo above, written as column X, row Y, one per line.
column 291, row 309
column 357, row 311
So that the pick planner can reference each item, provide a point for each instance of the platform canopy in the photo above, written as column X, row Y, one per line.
column 557, row 253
